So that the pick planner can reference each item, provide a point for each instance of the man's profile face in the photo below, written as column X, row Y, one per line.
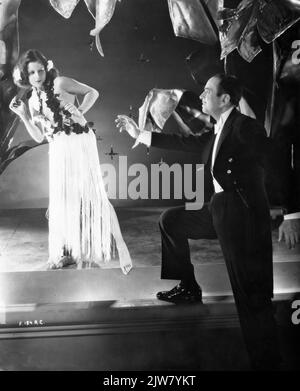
column 211, row 102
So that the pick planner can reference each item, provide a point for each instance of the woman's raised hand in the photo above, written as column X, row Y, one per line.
column 72, row 109
column 126, row 123
column 18, row 107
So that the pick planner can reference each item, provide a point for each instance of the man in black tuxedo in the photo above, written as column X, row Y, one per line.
column 237, row 214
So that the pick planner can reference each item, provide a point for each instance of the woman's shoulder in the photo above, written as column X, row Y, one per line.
column 64, row 84
column 61, row 81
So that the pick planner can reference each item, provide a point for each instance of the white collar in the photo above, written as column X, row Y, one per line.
column 223, row 118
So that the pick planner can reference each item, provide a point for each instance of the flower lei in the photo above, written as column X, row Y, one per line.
column 62, row 117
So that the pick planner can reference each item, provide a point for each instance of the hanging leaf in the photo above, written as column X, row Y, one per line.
column 243, row 27
column 16, row 152
column 64, row 7
column 102, row 11
column 193, row 20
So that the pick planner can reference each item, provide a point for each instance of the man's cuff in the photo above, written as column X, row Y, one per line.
column 144, row 137
column 292, row 216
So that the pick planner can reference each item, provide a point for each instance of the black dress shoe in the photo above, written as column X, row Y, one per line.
column 181, row 294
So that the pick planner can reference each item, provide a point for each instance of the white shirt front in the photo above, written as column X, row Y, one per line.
column 218, row 130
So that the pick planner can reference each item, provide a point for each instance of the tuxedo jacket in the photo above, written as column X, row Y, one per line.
column 240, row 157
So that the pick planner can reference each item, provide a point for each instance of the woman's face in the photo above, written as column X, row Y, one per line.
column 36, row 74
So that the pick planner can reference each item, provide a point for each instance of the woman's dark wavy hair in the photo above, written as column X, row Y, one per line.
column 33, row 55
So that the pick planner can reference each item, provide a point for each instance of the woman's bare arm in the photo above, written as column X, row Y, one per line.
column 21, row 109
column 71, row 86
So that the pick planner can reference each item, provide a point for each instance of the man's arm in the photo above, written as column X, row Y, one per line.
column 283, row 180
column 254, row 135
column 175, row 142
column 289, row 230
column 191, row 143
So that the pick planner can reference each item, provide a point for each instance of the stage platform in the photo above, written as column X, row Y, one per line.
column 100, row 319
column 103, row 321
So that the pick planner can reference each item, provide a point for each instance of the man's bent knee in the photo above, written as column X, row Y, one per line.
column 168, row 219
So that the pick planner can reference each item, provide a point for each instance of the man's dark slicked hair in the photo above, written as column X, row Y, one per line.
column 230, row 85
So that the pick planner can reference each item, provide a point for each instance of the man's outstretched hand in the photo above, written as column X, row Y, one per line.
column 123, row 122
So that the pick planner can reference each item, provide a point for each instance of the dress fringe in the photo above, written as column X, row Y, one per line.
column 82, row 220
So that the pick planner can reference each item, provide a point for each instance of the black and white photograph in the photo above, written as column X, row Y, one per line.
column 149, row 188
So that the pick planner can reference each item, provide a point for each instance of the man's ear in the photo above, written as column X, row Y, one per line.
column 226, row 99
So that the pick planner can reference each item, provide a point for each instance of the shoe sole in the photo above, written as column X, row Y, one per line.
column 181, row 301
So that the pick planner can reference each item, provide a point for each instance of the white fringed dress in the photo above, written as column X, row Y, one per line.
column 82, row 221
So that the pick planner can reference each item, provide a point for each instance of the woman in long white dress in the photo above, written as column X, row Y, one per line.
column 83, row 226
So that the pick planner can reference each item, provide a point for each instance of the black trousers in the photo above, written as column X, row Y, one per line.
column 246, row 242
